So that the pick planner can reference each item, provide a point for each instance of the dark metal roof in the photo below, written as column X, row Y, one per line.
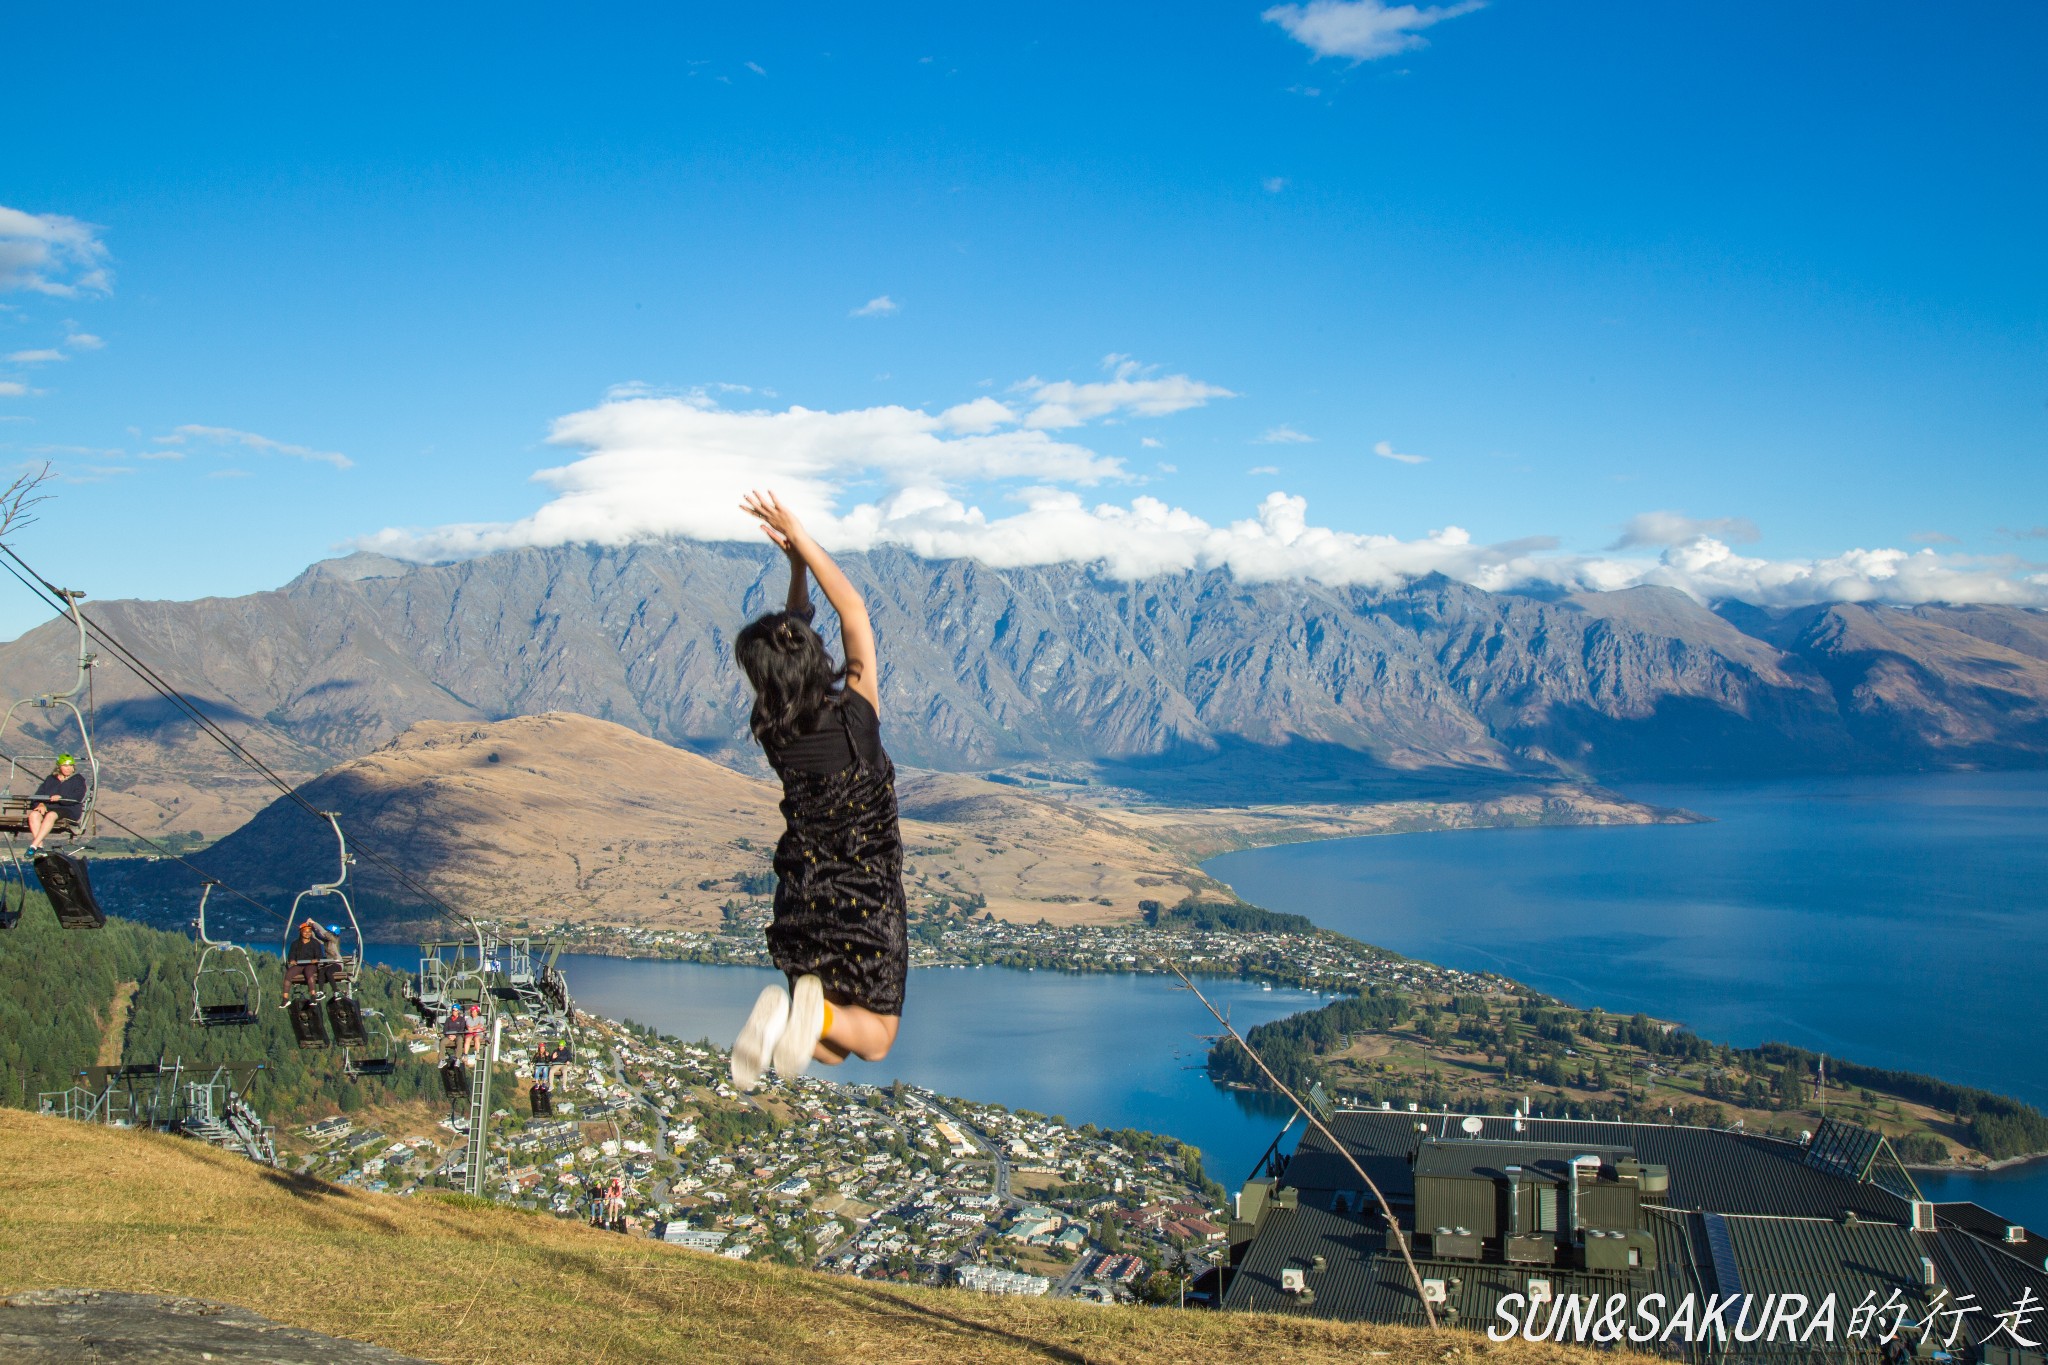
column 1765, row 1256
column 1477, row 1156
column 1366, row 1281
column 2031, row 1248
column 1722, row 1170
column 1746, row 1215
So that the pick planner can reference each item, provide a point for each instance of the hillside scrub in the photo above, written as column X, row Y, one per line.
column 57, row 991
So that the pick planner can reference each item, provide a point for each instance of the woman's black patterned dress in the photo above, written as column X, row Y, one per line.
column 839, row 908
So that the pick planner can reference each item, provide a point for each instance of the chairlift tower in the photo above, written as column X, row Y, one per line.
column 480, row 1098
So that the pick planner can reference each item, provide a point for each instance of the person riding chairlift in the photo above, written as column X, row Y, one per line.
column 60, row 798
column 314, row 959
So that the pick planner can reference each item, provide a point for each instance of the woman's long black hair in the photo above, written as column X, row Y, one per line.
column 792, row 677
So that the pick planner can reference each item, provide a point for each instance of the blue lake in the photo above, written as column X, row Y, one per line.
column 1900, row 922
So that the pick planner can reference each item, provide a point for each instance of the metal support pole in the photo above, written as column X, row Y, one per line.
column 480, row 1098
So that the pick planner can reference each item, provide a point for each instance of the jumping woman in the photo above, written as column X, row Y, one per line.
column 838, row 932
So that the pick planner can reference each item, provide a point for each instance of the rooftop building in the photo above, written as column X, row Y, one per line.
column 1510, row 1219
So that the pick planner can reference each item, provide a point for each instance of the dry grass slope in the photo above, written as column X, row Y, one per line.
column 455, row 1281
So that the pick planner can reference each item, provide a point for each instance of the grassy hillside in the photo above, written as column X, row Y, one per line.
column 456, row 1280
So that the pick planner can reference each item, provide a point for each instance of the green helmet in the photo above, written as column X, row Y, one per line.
column 62, row 759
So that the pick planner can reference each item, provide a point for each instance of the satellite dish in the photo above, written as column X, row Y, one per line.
column 1473, row 1125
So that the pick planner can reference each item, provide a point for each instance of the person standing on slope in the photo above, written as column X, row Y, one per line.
column 838, row 931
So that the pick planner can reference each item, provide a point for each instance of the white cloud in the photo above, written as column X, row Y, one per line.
column 36, row 357
column 1151, row 443
column 1263, row 469
column 880, row 306
column 12, row 388
column 47, row 253
column 249, row 440
column 1385, row 450
column 1363, row 30
column 1659, row 529
column 1934, row 538
column 83, row 341
column 980, row 415
column 1131, row 388
column 653, row 468
column 1274, row 183
column 1284, row 435
column 757, row 68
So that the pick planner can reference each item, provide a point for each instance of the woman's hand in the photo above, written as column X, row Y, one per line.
column 777, row 522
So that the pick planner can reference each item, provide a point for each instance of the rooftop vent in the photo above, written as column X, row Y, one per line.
column 1923, row 1216
column 1927, row 1276
column 2015, row 1233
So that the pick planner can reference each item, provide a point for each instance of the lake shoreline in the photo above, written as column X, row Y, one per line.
column 1681, row 924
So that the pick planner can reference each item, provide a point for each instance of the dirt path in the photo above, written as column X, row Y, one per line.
column 117, row 1023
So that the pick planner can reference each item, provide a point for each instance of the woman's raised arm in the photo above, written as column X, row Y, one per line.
column 856, row 632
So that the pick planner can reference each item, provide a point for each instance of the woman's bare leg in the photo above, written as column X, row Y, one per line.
column 857, row 1031
column 40, row 823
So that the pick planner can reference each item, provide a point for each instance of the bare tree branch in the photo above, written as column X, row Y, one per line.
column 1386, row 1210
column 18, row 497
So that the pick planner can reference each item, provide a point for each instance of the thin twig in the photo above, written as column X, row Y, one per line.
column 1386, row 1210
column 19, row 496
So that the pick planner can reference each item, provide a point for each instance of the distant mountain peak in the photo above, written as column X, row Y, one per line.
column 1197, row 677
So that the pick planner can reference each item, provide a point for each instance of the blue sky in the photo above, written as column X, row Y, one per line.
column 1737, row 292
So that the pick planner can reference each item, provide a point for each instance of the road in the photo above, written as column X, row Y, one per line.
column 1063, row 1287
column 657, row 1187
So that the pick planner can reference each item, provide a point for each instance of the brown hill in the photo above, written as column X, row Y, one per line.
column 560, row 816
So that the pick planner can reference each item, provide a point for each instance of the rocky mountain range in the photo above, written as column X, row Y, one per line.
column 1197, row 686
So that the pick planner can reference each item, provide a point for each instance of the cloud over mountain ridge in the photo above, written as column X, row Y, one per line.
column 651, row 467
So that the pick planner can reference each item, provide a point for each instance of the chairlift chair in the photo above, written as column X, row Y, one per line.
column 379, row 1049
column 61, row 872
column 225, row 988
column 309, row 1026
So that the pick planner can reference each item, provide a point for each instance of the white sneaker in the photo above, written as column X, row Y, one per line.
column 758, row 1037
column 806, row 1024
